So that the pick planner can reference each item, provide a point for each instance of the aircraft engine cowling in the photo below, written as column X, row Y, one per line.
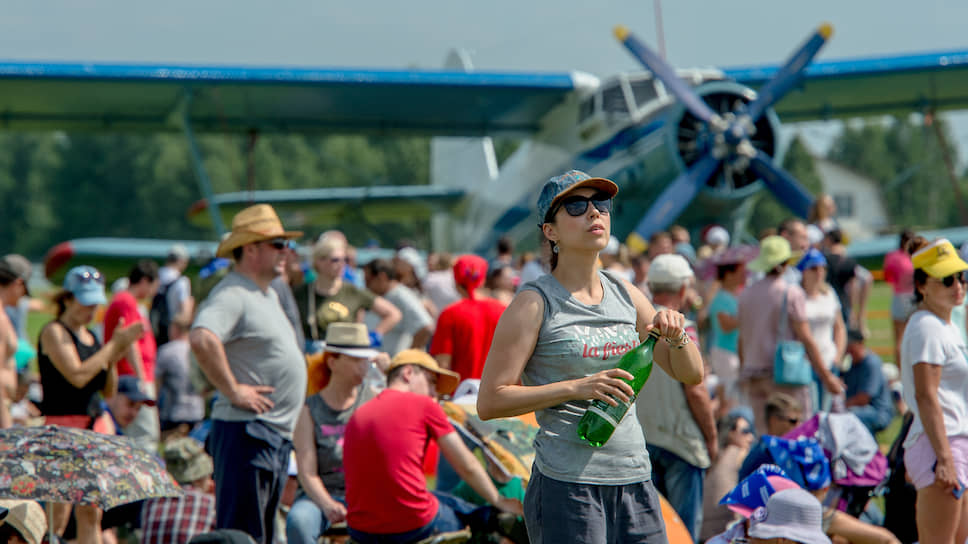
column 693, row 139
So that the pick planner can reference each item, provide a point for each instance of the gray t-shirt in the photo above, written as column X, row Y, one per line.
column 291, row 309
column 329, row 426
column 261, row 349
column 578, row 340
column 177, row 400
column 415, row 317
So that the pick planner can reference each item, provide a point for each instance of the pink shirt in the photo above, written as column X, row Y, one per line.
column 759, row 316
column 899, row 272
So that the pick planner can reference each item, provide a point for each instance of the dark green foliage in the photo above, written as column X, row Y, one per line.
column 54, row 187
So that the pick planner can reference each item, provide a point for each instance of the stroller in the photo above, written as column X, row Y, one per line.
column 857, row 467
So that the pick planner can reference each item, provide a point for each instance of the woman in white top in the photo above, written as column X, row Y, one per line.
column 824, row 317
column 934, row 371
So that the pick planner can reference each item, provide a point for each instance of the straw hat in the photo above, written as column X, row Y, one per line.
column 446, row 380
column 27, row 517
column 254, row 224
column 351, row 339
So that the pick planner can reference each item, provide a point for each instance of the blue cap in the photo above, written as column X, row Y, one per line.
column 558, row 187
column 756, row 488
column 131, row 387
column 86, row 284
column 812, row 258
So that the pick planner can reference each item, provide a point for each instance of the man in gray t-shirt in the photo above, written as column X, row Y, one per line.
column 247, row 349
column 416, row 326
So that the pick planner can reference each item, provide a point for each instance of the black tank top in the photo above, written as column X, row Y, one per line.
column 61, row 398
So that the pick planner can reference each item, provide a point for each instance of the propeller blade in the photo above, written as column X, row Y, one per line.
column 666, row 74
column 789, row 75
column 782, row 184
column 676, row 197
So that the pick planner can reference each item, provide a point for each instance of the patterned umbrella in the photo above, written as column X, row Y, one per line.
column 61, row 464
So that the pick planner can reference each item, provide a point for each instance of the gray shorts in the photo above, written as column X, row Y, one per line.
column 902, row 306
column 556, row 511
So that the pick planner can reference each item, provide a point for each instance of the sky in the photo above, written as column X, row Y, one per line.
column 527, row 35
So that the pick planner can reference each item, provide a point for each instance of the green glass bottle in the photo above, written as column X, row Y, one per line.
column 601, row 418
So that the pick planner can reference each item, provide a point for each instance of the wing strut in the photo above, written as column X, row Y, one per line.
column 204, row 183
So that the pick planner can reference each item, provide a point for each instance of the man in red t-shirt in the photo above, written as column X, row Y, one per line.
column 465, row 329
column 139, row 361
column 383, row 454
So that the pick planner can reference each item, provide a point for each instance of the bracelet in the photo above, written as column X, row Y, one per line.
column 680, row 342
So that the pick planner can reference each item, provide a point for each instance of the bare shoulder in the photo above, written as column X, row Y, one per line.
column 525, row 305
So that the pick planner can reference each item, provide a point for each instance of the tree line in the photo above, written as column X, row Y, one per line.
column 57, row 186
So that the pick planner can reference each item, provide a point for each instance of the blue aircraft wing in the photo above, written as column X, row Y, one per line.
column 116, row 97
column 869, row 86
column 300, row 208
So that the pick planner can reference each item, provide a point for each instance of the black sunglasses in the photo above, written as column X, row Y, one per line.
column 948, row 281
column 278, row 243
column 577, row 205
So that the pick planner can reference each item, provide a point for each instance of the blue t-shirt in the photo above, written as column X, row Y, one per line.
column 867, row 376
column 724, row 302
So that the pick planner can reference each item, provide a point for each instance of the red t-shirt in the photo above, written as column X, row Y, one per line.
column 464, row 331
column 899, row 272
column 124, row 305
column 383, row 453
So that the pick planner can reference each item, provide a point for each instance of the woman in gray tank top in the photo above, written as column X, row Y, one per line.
column 562, row 337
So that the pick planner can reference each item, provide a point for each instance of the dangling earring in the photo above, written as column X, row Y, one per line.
column 554, row 249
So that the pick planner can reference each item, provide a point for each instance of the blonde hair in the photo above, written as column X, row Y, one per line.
column 326, row 247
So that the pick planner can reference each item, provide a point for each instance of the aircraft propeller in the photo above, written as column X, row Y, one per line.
column 731, row 133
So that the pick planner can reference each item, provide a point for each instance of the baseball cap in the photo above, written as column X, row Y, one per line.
column 938, row 259
column 811, row 259
column 86, row 284
column 131, row 387
column 669, row 269
column 186, row 460
column 446, row 380
column 793, row 514
column 15, row 266
column 717, row 236
column 561, row 186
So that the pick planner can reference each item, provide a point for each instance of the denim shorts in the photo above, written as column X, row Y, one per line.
column 556, row 511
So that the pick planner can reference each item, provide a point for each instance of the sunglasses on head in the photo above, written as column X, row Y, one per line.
column 87, row 276
column 948, row 281
column 577, row 205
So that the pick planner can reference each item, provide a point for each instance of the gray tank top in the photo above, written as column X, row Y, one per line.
column 578, row 340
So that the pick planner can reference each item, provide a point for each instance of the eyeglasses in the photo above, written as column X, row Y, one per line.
column 948, row 281
column 577, row 205
column 86, row 276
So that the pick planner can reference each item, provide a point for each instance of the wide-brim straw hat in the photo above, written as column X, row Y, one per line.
column 27, row 517
column 254, row 224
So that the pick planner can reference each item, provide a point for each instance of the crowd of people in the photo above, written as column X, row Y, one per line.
column 291, row 390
